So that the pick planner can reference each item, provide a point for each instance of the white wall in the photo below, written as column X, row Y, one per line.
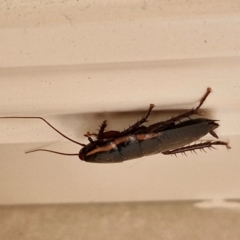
column 78, row 63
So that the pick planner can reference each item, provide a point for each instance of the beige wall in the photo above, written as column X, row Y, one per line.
column 72, row 62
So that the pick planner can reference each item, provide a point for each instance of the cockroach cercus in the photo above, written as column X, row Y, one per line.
column 175, row 135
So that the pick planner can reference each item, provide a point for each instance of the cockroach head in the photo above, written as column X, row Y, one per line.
column 81, row 153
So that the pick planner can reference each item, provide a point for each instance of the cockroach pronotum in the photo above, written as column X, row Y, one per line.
column 172, row 136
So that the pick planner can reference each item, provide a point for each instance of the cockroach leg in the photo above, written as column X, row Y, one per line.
column 162, row 125
column 88, row 134
column 101, row 130
column 90, row 140
column 101, row 134
column 135, row 126
column 199, row 146
column 106, row 135
column 192, row 111
column 98, row 136
column 209, row 90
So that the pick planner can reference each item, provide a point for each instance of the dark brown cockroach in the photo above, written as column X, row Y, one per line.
column 167, row 137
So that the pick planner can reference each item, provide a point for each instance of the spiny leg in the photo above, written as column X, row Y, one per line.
column 161, row 125
column 194, row 110
column 202, row 100
column 101, row 134
column 138, row 123
column 101, row 130
column 108, row 134
column 111, row 134
column 199, row 146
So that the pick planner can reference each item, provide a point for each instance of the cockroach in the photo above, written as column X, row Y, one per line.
column 173, row 136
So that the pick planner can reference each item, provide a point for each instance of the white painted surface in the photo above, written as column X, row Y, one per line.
column 77, row 68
